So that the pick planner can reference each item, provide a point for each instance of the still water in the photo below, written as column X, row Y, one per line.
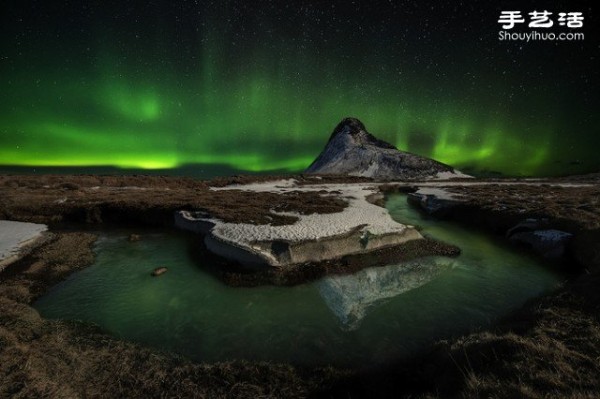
column 371, row 317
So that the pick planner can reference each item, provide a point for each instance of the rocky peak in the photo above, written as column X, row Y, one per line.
column 352, row 150
column 354, row 128
column 349, row 126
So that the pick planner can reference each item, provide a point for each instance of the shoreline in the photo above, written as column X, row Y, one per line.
column 514, row 337
column 89, row 360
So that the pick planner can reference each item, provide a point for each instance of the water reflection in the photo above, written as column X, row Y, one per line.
column 352, row 297
column 393, row 311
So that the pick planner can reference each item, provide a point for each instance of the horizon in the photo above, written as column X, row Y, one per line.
column 258, row 89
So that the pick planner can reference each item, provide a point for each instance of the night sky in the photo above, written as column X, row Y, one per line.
column 259, row 86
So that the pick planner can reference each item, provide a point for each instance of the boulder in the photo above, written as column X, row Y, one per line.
column 159, row 271
column 550, row 243
column 433, row 200
column 134, row 237
column 585, row 248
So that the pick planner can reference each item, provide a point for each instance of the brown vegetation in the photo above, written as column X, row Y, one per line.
column 570, row 208
column 147, row 199
column 300, row 179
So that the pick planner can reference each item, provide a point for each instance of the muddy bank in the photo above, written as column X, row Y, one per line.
column 569, row 208
column 310, row 271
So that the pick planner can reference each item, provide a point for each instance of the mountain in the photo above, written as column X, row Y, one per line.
column 352, row 150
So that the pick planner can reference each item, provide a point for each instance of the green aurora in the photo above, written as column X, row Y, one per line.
column 267, row 104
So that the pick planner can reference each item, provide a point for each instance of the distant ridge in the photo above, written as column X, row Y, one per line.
column 200, row 171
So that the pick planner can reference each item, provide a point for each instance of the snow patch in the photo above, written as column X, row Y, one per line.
column 360, row 226
column 456, row 174
column 14, row 235
column 268, row 186
column 359, row 212
column 437, row 192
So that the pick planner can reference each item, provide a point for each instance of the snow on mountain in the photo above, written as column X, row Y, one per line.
column 352, row 150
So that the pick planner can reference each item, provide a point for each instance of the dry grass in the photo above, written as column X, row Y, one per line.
column 557, row 355
column 571, row 208
column 148, row 199
column 300, row 179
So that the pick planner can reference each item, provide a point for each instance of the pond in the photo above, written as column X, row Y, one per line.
column 371, row 317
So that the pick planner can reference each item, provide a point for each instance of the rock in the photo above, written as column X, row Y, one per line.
column 429, row 203
column 134, row 237
column 159, row 271
column 352, row 150
column 585, row 248
column 196, row 221
column 283, row 253
column 433, row 200
column 539, row 235
column 549, row 243
column 528, row 225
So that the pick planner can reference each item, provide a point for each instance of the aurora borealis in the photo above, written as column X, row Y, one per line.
column 260, row 86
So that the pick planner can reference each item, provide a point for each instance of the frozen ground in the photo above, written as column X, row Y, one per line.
column 359, row 212
column 361, row 226
column 14, row 235
column 456, row 174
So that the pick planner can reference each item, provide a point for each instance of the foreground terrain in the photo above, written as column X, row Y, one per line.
column 551, row 347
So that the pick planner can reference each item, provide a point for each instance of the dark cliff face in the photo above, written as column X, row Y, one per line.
column 352, row 150
column 358, row 131
column 352, row 125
